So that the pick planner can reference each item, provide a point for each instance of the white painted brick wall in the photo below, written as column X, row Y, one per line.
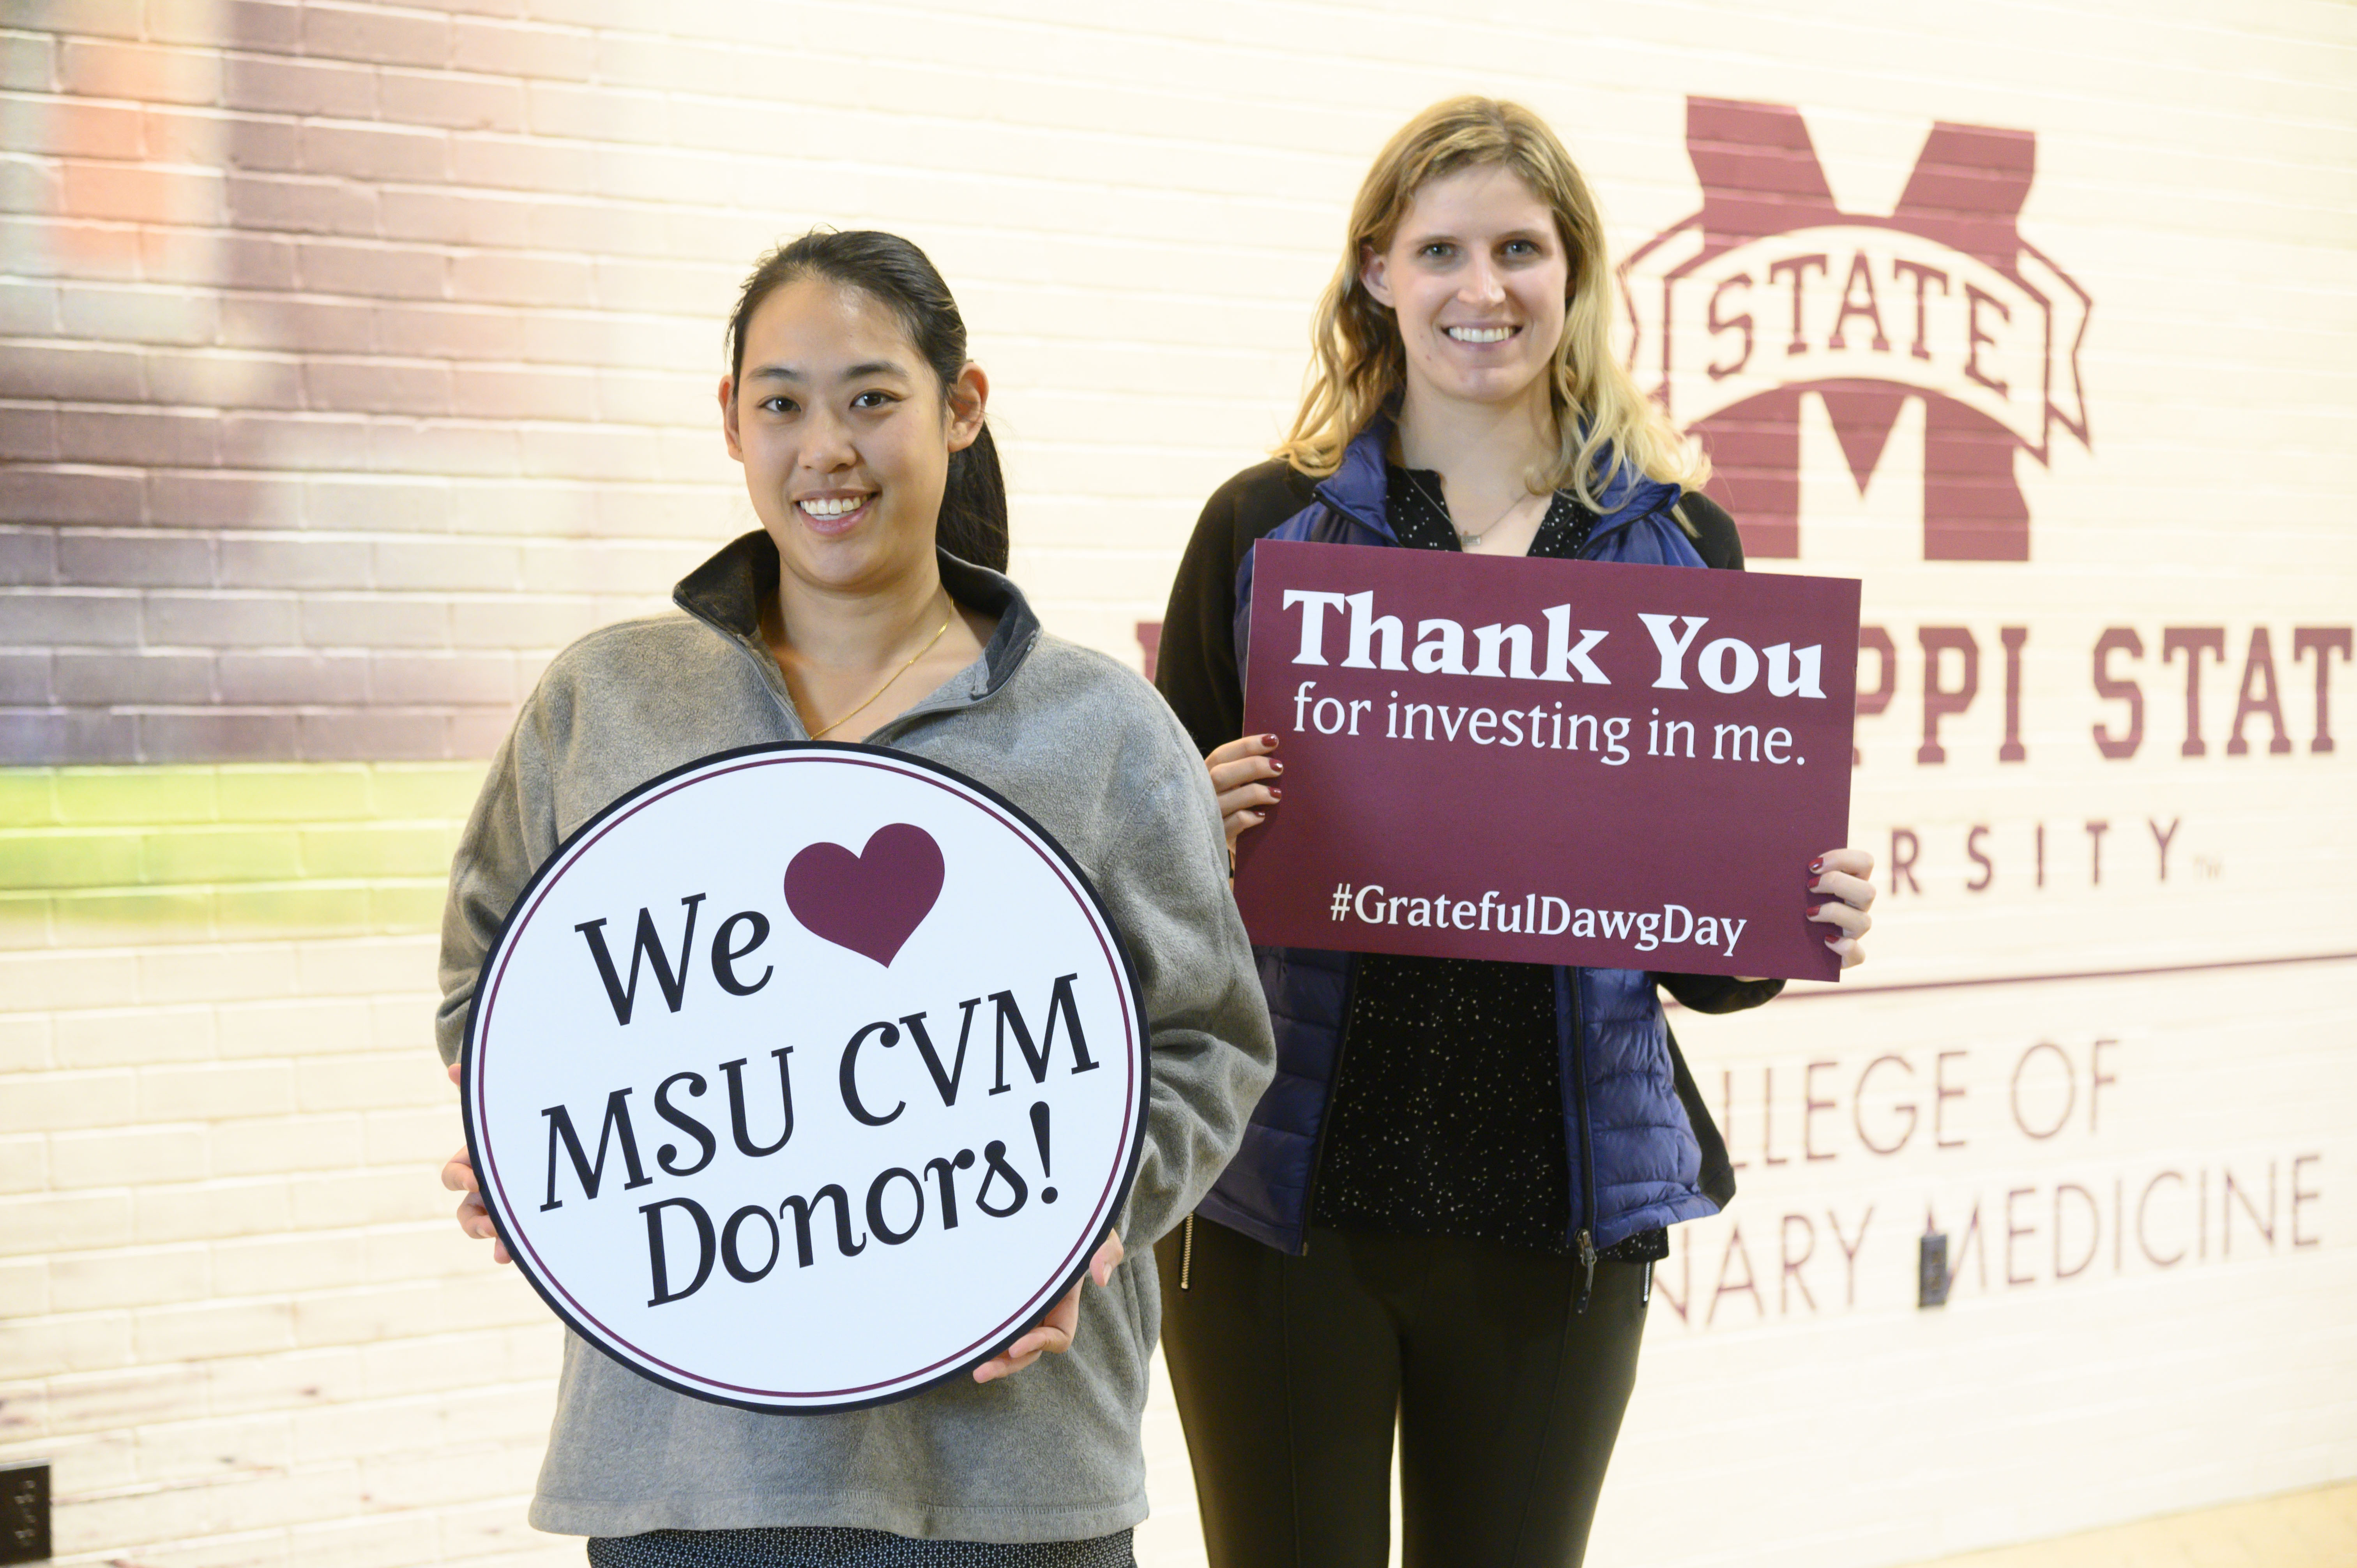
column 368, row 349
column 232, row 1311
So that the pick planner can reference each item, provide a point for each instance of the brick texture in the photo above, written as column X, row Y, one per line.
column 469, row 267
column 238, row 1321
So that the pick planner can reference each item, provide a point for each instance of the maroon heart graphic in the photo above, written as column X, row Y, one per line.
column 870, row 902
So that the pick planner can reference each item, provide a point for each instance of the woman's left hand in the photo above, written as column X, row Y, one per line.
column 1842, row 875
column 1055, row 1331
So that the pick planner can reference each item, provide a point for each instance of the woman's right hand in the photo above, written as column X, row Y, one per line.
column 474, row 1219
column 1239, row 771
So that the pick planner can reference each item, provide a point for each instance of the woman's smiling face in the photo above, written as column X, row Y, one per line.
column 844, row 435
column 1480, row 282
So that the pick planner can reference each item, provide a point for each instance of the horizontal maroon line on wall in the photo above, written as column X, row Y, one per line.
column 1835, row 993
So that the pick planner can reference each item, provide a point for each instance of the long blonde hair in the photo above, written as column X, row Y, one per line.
column 1360, row 362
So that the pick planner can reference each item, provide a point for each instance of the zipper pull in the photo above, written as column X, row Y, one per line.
column 1586, row 1244
column 1187, row 1254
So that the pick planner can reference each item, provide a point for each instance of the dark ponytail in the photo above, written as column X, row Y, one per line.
column 973, row 525
column 888, row 269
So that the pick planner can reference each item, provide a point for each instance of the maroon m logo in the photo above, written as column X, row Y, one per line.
column 1770, row 291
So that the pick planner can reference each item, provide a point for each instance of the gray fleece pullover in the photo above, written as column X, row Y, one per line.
column 1089, row 750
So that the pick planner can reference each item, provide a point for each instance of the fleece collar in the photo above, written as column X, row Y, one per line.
column 726, row 592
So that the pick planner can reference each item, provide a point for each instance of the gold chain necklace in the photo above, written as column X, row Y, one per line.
column 888, row 679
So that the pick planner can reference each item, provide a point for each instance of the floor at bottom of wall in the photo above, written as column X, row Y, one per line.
column 2299, row 1529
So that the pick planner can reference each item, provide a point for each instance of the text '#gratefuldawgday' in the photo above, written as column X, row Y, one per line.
column 1536, row 914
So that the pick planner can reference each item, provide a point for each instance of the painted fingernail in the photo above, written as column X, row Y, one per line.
column 1817, row 865
column 1268, row 740
column 1276, row 767
column 1275, row 793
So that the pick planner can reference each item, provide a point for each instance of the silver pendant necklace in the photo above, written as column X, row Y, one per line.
column 1442, row 507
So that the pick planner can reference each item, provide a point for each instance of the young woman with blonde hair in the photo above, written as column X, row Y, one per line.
column 1444, row 1213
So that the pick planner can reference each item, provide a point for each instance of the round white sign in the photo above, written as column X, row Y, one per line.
column 805, row 1077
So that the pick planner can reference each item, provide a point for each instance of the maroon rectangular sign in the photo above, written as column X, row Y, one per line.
column 1550, row 761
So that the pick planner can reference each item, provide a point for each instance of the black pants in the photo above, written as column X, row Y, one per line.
column 1290, row 1373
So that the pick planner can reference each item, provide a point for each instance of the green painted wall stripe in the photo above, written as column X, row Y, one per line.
column 111, row 855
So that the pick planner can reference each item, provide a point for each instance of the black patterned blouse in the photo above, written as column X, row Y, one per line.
column 1447, row 1119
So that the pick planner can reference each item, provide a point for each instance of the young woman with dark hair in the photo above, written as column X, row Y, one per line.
column 871, row 606
column 1427, row 1231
